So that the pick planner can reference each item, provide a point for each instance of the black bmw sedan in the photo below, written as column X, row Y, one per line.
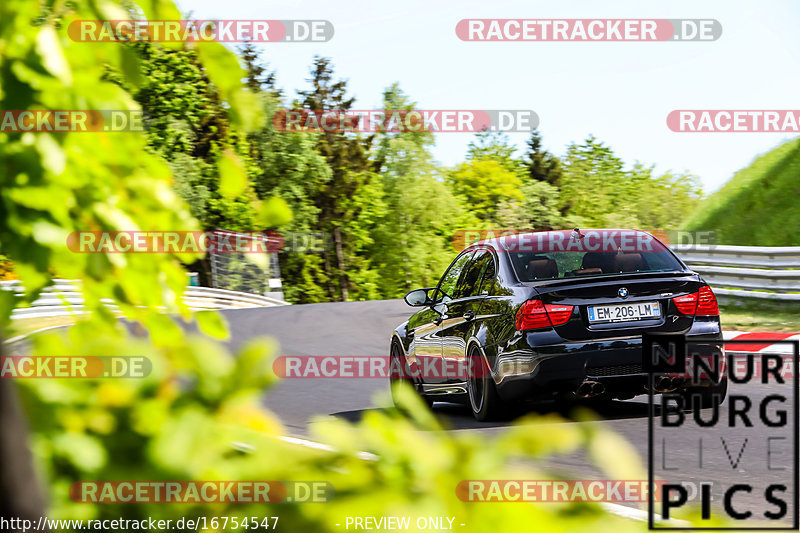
column 557, row 314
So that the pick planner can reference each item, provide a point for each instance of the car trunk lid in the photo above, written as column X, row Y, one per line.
column 621, row 304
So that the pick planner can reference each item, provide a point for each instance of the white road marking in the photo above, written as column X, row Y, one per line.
column 614, row 508
column 637, row 514
column 24, row 336
column 324, row 447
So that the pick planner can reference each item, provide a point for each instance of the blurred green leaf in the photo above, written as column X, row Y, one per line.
column 159, row 9
column 212, row 324
column 222, row 67
column 131, row 66
column 49, row 48
column 84, row 452
column 232, row 178
column 247, row 110
column 274, row 212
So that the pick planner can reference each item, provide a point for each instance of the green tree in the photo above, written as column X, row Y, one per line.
column 664, row 202
column 499, row 190
column 486, row 185
column 291, row 168
column 259, row 77
column 412, row 243
column 188, row 125
column 592, row 183
column 495, row 146
column 538, row 211
column 542, row 165
column 347, row 156
column 596, row 190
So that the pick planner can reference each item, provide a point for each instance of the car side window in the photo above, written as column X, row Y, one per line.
column 470, row 282
column 487, row 276
column 447, row 285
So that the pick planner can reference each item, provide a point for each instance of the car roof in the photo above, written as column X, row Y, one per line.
column 497, row 241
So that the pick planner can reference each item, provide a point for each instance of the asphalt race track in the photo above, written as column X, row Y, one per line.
column 364, row 328
column 352, row 328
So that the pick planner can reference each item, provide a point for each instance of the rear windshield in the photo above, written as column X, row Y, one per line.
column 580, row 259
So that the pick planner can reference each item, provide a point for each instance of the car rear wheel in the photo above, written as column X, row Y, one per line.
column 399, row 373
column 484, row 401
column 708, row 397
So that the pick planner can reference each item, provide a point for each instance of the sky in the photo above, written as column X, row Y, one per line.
column 619, row 92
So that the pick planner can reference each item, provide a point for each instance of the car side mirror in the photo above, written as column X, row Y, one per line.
column 418, row 298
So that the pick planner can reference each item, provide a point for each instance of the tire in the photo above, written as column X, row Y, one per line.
column 708, row 397
column 398, row 360
column 484, row 401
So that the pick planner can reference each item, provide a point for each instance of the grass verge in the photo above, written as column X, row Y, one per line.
column 749, row 315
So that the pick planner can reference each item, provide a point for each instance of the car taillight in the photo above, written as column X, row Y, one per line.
column 535, row 315
column 707, row 302
column 559, row 314
column 686, row 304
column 702, row 302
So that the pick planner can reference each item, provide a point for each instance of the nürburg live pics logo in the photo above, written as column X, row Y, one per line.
column 734, row 462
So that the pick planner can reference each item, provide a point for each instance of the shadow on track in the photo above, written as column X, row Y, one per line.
column 458, row 416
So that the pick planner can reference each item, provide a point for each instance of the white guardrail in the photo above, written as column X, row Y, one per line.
column 64, row 298
column 771, row 273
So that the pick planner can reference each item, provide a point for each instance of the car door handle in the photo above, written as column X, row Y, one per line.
column 469, row 315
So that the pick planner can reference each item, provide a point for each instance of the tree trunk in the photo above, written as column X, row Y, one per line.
column 337, row 238
column 328, row 276
column 19, row 490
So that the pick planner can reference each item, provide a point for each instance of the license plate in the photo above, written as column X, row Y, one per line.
column 624, row 312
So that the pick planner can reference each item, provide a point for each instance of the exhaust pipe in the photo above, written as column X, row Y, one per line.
column 589, row 389
column 664, row 384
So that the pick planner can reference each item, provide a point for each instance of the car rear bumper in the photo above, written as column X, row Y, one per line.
column 548, row 370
